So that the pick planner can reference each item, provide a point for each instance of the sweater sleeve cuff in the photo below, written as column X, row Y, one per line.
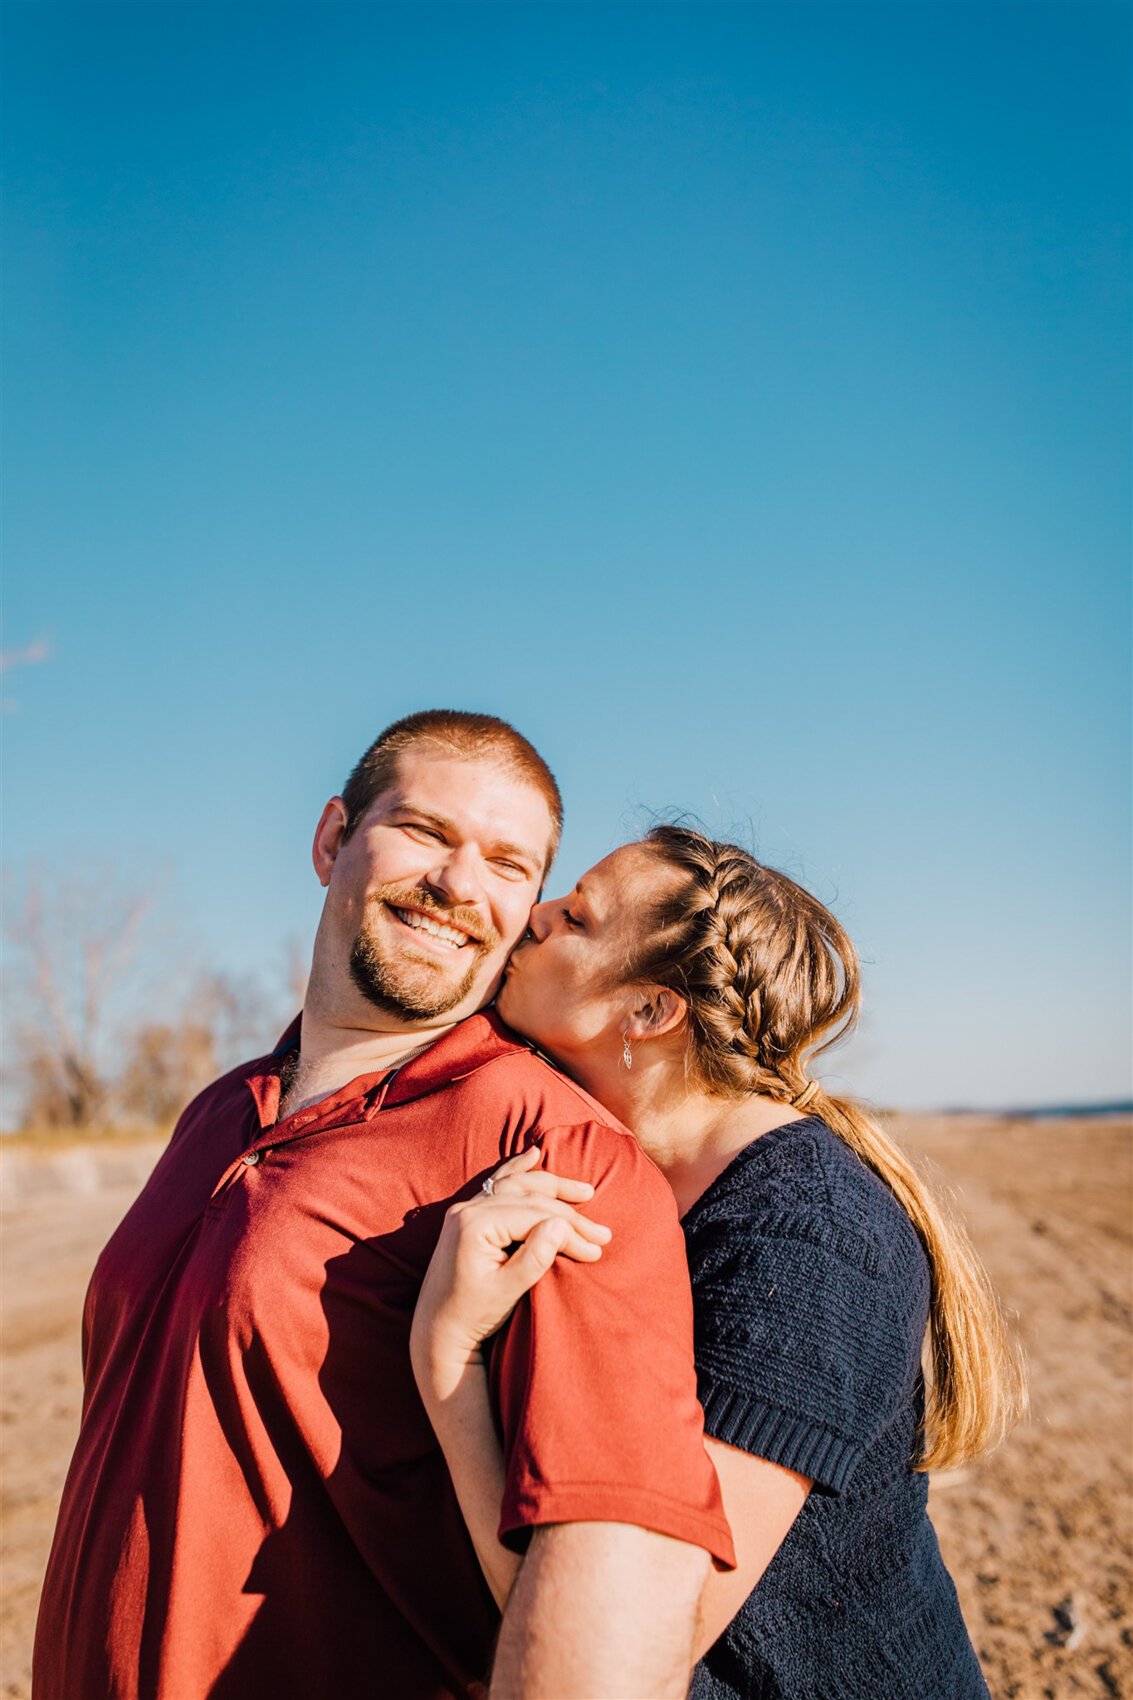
column 739, row 1419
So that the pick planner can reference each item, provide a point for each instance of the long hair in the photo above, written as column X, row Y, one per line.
column 771, row 980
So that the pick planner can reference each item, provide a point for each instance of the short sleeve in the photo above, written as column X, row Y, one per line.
column 593, row 1377
column 807, row 1343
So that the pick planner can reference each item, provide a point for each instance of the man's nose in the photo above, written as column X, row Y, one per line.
column 458, row 875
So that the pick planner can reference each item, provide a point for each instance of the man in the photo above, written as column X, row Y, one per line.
column 257, row 1505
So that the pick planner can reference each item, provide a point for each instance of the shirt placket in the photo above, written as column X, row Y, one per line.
column 304, row 1125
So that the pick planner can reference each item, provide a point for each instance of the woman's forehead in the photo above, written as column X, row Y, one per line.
column 622, row 881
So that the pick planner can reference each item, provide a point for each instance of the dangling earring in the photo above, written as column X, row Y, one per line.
column 627, row 1054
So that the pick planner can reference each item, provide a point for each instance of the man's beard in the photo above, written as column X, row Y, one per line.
column 416, row 990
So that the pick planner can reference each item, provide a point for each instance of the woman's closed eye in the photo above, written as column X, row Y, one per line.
column 570, row 919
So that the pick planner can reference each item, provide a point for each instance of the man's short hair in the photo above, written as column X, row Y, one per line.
column 451, row 732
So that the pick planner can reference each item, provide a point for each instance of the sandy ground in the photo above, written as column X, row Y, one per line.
column 1039, row 1537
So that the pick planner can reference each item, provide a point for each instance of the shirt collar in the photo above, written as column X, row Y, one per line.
column 477, row 1040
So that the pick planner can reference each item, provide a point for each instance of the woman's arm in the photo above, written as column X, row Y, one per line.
column 462, row 1422
column 472, row 1285
column 761, row 1501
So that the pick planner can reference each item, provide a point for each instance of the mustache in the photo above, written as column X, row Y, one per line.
column 460, row 915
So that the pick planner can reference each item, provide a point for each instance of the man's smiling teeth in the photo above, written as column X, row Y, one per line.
column 427, row 924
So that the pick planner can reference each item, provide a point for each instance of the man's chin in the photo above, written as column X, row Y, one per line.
column 408, row 997
column 420, row 991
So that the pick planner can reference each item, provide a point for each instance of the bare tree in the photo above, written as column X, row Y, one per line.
column 104, row 1018
column 224, row 1019
column 166, row 1064
column 75, row 947
column 241, row 1016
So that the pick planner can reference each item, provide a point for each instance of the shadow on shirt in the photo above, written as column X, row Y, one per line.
column 371, row 1584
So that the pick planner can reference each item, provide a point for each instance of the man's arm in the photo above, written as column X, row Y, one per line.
column 603, row 1609
column 762, row 1501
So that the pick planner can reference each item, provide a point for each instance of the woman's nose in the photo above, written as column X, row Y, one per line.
column 539, row 922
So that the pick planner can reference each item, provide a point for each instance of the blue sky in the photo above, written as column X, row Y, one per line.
column 735, row 397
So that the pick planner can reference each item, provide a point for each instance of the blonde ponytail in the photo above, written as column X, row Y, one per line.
column 771, row 979
column 974, row 1383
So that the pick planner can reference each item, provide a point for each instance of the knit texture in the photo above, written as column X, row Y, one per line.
column 811, row 1294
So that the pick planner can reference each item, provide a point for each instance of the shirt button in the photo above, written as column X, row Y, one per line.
column 252, row 1158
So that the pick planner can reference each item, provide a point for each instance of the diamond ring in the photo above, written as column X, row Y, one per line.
column 489, row 1185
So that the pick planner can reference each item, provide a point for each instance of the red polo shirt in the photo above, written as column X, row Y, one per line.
column 257, row 1505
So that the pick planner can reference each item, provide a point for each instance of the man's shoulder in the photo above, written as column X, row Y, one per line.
column 563, row 1102
column 508, row 1066
column 521, row 1089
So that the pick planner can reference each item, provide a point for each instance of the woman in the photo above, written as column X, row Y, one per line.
column 687, row 987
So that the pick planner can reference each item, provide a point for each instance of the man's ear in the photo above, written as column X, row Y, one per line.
column 658, row 1011
column 328, row 838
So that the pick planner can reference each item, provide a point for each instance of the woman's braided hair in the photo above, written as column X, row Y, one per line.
column 771, row 979
column 769, row 975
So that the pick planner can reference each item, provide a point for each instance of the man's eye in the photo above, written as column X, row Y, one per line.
column 511, row 869
column 423, row 831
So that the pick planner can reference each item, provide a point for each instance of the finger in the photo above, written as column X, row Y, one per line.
column 498, row 1223
column 538, row 1205
column 519, row 1164
column 543, row 1181
column 571, row 1244
column 547, row 1240
column 578, row 1249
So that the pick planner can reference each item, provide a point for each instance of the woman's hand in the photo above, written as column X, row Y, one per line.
column 472, row 1284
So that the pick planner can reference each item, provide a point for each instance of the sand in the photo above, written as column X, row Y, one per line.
column 1039, row 1537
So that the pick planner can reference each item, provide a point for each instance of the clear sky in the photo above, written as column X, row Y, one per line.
column 735, row 397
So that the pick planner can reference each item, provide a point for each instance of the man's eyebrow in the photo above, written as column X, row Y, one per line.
column 447, row 825
column 519, row 850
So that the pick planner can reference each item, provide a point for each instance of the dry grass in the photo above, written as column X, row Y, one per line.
column 1039, row 1537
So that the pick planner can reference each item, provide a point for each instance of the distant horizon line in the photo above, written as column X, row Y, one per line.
column 1031, row 1112
column 1026, row 1112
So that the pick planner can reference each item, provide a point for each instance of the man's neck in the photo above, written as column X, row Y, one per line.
column 332, row 1053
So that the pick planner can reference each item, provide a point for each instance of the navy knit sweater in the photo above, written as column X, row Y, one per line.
column 811, row 1291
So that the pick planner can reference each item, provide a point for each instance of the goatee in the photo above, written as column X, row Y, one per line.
column 415, row 988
